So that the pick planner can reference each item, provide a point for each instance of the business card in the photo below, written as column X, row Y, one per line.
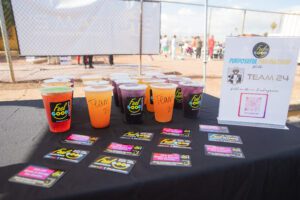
column 176, row 132
column 213, row 129
column 38, row 176
column 124, row 149
column 232, row 152
column 171, row 159
column 143, row 136
column 214, row 137
column 175, row 143
column 80, row 139
column 114, row 164
column 67, row 154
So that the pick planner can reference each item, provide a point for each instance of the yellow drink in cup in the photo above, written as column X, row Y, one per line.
column 99, row 99
column 163, row 98
column 149, row 96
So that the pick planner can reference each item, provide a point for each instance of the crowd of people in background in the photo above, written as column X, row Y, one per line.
column 191, row 47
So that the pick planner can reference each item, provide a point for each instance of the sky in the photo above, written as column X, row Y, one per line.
column 186, row 20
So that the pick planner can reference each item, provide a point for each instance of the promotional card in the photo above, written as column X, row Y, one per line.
column 214, row 137
column 80, row 139
column 171, row 159
column 213, row 128
column 124, row 149
column 38, row 176
column 176, row 132
column 175, row 143
column 114, row 164
column 232, row 152
column 67, row 154
column 143, row 136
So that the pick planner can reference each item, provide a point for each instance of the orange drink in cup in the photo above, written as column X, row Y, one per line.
column 99, row 99
column 163, row 98
column 149, row 97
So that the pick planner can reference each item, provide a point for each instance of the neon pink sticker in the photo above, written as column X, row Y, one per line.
column 120, row 147
column 36, row 172
column 166, row 157
column 78, row 137
column 217, row 149
column 172, row 130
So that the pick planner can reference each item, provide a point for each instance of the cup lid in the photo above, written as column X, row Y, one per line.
column 180, row 79
column 133, row 87
column 154, row 80
column 164, row 85
column 57, row 80
column 192, row 84
column 56, row 89
column 95, row 83
column 91, row 76
column 98, row 88
column 123, row 81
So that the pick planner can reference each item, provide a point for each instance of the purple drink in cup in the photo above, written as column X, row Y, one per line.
column 178, row 92
column 192, row 95
column 113, row 80
column 121, row 82
column 133, row 96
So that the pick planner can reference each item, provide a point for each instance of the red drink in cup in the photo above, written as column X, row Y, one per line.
column 58, row 107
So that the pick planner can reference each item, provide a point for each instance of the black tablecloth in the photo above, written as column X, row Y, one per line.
column 271, row 169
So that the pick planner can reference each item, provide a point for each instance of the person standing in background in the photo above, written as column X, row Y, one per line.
column 198, row 47
column 165, row 46
column 211, row 44
column 173, row 47
column 88, row 60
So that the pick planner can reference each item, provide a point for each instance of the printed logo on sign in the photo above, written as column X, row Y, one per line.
column 60, row 111
column 178, row 95
column 261, row 50
column 135, row 105
column 195, row 101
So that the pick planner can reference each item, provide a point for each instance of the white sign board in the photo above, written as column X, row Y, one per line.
column 85, row 27
column 257, row 81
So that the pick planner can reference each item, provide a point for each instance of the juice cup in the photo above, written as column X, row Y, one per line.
column 163, row 98
column 70, row 77
column 133, row 102
column 91, row 77
column 118, row 83
column 192, row 95
column 115, row 91
column 149, row 96
column 99, row 99
column 58, row 106
column 57, row 82
column 178, row 93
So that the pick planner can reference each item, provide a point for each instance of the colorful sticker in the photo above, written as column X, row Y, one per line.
column 144, row 136
column 175, row 143
column 233, row 152
column 172, row 159
column 214, row 137
column 38, row 176
column 124, row 149
column 60, row 111
column 115, row 164
column 67, row 154
column 80, row 139
column 176, row 132
column 194, row 101
column 213, row 129
column 178, row 96
column 134, row 106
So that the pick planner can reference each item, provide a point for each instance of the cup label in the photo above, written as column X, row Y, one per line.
column 194, row 101
column 134, row 105
column 178, row 95
column 151, row 96
column 60, row 111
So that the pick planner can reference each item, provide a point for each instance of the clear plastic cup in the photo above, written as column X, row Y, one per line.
column 178, row 92
column 192, row 95
column 92, row 77
column 99, row 99
column 163, row 98
column 149, row 96
column 58, row 106
column 133, row 96
column 70, row 77
column 55, row 82
column 119, row 95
